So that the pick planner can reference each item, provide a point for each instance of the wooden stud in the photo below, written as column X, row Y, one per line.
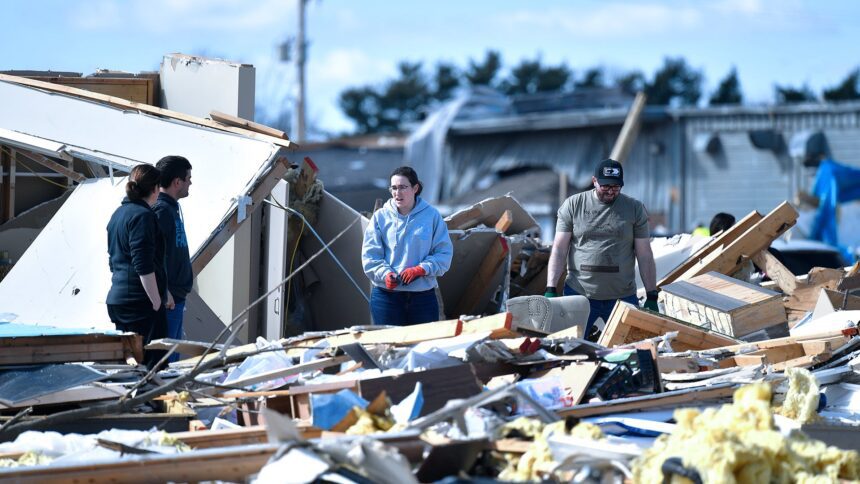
column 7, row 162
column 783, row 277
column 52, row 165
column 231, row 120
column 505, row 222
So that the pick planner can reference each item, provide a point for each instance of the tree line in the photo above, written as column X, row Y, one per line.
column 415, row 90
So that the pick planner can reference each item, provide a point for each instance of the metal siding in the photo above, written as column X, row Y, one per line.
column 844, row 145
column 738, row 180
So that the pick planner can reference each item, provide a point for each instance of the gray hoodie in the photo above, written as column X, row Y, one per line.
column 393, row 242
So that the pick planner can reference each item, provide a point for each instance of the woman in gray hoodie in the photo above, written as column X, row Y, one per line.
column 406, row 247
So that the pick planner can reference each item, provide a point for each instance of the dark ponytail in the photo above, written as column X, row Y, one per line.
column 409, row 173
column 142, row 181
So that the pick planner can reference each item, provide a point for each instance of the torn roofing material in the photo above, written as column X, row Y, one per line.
column 63, row 279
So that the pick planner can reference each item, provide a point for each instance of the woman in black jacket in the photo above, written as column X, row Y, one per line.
column 136, row 298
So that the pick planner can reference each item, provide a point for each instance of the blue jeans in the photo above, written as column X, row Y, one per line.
column 174, row 325
column 402, row 308
column 600, row 308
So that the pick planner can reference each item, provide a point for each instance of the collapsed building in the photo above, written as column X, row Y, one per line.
column 283, row 377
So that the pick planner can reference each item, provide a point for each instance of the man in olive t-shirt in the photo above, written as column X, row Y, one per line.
column 602, row 233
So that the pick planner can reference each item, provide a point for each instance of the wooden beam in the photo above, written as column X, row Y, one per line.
column 717, row 243
column 499, row 325
column 7, row 163
column 143, row 108
column 231, row 120
column 629, row 130
column 777, row 272
column 671, row 399
column 753, row 241
column 405, row 335
column 52, row 165
column 491, row 263
column 264, row 187
column 505, row 222
column 228, row 464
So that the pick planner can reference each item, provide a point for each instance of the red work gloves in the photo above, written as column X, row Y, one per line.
column 391, row 281
column 412, row 273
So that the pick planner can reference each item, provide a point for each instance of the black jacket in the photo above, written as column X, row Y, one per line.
column 178, row 263
column 135, row 247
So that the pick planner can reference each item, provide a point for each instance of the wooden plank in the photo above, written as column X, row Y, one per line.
column 626, row 317
column 207, row 439
column 801, row 362
column 72, row 348
column 52, row 165
column 499, row 325
column 143, row 108
column 7, row 164
column 227, row 464
column 264, row 187
column 629, row 130
column 492, row 261
column 834, row 336
column 671, row 399
column 751, row 242
column 231, row 120
column 783, row 277
column 405, row 335
column 717, row 243
column 505, row 221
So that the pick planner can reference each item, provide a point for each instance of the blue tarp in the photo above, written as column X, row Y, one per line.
column 834, row 184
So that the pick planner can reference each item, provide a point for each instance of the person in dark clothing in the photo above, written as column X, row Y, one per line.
column 175, row 182
column 721, row 222
column 136, row 260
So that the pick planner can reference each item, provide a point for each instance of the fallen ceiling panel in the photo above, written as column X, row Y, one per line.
column 63, row 279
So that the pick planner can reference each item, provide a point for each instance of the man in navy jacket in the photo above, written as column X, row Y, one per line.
column 175, row 182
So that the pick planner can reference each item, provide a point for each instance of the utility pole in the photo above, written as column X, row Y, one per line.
column 300, row 65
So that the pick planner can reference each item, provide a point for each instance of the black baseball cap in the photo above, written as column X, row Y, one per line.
column 609, row 172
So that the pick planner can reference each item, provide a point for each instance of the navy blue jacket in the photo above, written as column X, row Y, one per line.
column 179, row 275
column 135, row 247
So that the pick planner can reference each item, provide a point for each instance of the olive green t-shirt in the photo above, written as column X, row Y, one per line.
column 601, row 259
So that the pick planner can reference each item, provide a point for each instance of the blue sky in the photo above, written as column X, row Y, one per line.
column 354, row 42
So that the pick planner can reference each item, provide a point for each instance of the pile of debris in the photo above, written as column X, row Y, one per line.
column 731, row 381
column 706, row 394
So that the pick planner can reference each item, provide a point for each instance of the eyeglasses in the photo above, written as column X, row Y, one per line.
column 399, row 188
column 609, row 188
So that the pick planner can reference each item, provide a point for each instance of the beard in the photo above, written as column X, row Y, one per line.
column 606, row 197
